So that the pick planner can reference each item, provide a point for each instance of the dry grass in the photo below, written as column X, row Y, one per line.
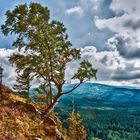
column 17, row 123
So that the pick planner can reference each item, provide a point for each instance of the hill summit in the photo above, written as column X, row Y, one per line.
column 99, row 95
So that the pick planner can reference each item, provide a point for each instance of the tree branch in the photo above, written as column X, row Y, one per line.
column 76, row 86
column 42, row 76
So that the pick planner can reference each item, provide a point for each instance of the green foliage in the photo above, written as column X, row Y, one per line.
column 117, row 124
column 23, row 82
column 43, row 49
column 107, row 124
column 85, row 71
column 76, row 130
column 42, row 98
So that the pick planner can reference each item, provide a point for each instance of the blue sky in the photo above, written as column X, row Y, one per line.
column 107, row 31
column 80, row 27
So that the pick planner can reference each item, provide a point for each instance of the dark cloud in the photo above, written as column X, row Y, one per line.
column 136, row 82
column 132, row 24
column 125, row 75
column 125, row 47
column 104, row 60
column 129, row 72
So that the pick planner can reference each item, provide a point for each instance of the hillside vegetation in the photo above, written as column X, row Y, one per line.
column 19, row 119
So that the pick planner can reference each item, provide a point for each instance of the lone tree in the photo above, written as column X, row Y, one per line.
column 44, row 49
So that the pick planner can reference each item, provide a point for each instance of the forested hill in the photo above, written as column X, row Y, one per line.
column 109, row 112
column 92, row 94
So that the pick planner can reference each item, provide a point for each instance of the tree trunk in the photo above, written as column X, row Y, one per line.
column 51, row 106
column 49, row 109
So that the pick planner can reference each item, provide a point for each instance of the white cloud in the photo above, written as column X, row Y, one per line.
column 112, row 68
column 126, row 27
column 128, row 6
column 76, row 9
column 9, row 75
column 84, row 7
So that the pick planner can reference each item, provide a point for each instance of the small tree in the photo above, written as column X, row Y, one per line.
column 76, row 130
column 23, row 82
column 44, row 49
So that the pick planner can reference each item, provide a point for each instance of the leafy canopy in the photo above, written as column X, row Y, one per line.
column 43, row 47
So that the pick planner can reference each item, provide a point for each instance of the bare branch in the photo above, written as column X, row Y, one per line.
column 76, row 86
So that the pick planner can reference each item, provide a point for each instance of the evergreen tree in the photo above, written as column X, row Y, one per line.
column 76, row 130
column 44, row 49
column 23, row 82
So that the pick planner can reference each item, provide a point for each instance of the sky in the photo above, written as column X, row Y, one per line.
column 106, row 31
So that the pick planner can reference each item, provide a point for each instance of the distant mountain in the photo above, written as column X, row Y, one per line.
column 93, row 95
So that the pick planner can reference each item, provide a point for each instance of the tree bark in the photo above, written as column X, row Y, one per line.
column 49, row 109
column 59, row 94
column 52, row 105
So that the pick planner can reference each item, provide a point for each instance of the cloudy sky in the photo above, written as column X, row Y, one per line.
column 107, row 31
